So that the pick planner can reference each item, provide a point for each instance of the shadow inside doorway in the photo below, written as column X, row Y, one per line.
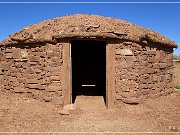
column 88, row 68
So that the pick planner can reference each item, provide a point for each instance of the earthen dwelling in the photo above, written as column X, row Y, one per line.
column 59, row 59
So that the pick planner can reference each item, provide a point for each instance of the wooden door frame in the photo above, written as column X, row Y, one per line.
column 67, row 78
column 110, row 82
column 66, row 73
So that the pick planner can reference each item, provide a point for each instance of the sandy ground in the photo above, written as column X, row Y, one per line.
column 22, row 114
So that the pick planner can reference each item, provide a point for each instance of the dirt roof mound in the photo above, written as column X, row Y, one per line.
column 82, row 25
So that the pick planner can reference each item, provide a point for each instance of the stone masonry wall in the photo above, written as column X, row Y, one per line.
column 176, row 77
column 142, row 71
column 34, row 69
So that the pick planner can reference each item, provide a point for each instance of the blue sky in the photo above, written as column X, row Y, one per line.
column 162, row 17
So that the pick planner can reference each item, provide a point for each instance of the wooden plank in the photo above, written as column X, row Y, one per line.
column 110, row 82
column 88, row 85
column 66, row 74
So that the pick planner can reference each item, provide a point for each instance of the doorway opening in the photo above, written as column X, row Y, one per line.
column 88, row 68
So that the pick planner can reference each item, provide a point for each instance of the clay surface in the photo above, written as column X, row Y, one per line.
column 81, row 25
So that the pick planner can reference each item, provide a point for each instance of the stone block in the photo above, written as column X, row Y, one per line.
column 150, row 52
column 4, row 67
column 131, row 100
column 38, row 96
column 151, row 58
column 25, row 65
column 33, row 63
column 29, row 76
column 58, row 93
column 42, row 54
column 30, row 70
column 53, row 69
column 156, row 65
column 52, row 74
column 162, row 65
column 19, row 90
column 54, row 59
column 157, row 90
column 8, row 55
column 153, row 91
column 144, row 57
column 32, row 81
column 130, row 59
column 37, row 71
column 8, row 73
column 34, row 58
column 35, row 49
column 32, row 86
column 42, row 82
column 143, row 92
column 13, row 70
column 124, row 52
column 159, row 85
column 52, row 88
column 39, row 77
column 147, row 71
column 169, row 85
column 18, row 64
column 53, row 54
column 169, row 63
column 166, row 92
column 43, row 64
column 144, row 41
column 168, row 77
column 17, row 60
column 21, row 70
column 155, row 78
column 151, row 86
column 47, row 99
column 127, row 94
column 42, row 87
column 143, row 86
column 55, row 64
column 64, row 112
column 14, row 74
column 127, row 43
column 146, row 91
column 137, row 53
column 125, row 76
column 8, row 50
column 16, row 54
column 24, row 54
column 58, row 100
column 118, row 96
column 7, row 87
column 55, row 78
column 22, row 80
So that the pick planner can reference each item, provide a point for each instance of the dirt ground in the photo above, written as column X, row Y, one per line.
column 22, row 114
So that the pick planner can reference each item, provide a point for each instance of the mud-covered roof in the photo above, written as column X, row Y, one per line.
column 82, row 25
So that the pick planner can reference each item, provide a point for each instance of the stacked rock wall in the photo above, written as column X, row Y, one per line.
column 142, row 71
column 176, row 77
column 33, row 69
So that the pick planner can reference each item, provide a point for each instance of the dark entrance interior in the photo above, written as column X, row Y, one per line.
column 88, row 68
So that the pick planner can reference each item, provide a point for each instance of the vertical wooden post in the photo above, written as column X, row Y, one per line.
column 110, row 80
column 66, row 74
